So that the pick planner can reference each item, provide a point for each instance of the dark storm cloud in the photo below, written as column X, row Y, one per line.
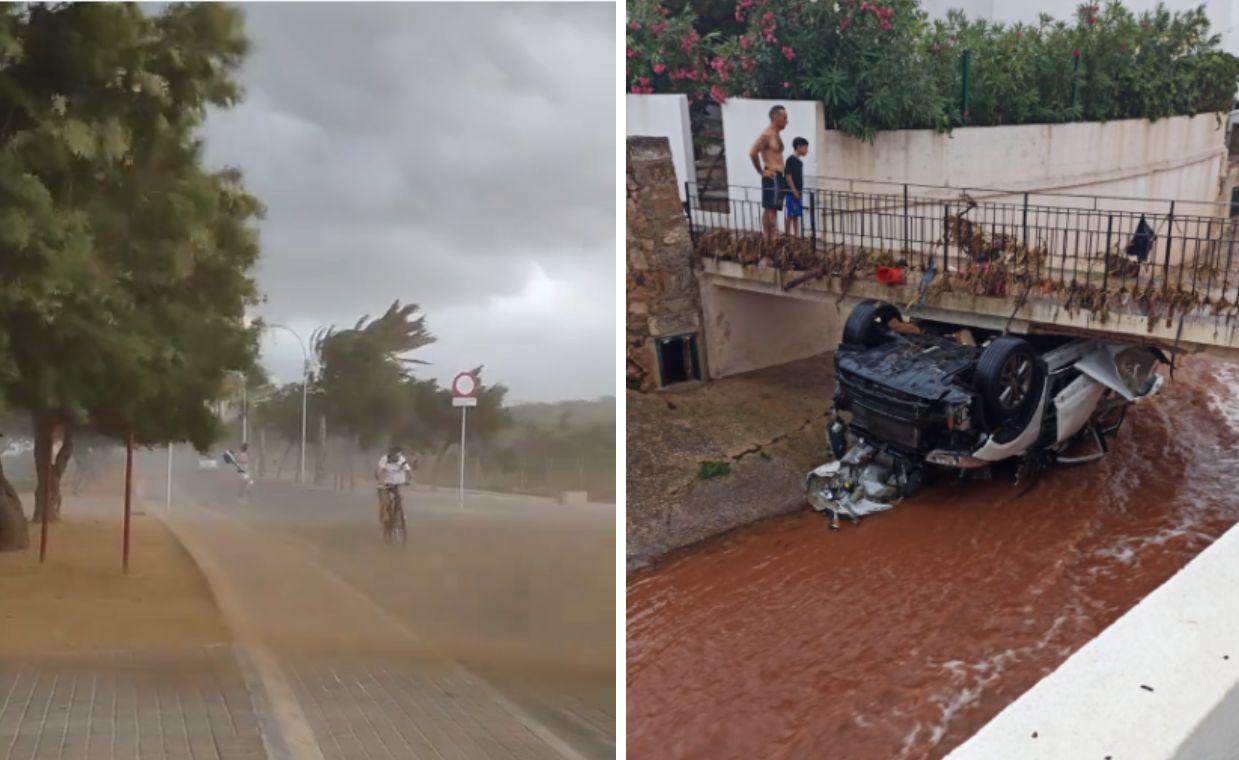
column 459, row 156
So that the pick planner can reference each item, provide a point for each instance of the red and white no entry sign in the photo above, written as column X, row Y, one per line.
column 465, row 390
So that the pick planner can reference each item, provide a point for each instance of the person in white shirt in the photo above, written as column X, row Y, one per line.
column 241, row 460
column 393, row 472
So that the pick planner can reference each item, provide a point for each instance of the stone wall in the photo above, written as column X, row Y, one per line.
column 663, row 295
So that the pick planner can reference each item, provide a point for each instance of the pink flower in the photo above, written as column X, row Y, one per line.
column 1020, row 35
column 843, row 24
column 788, row 53
column 787, row 86
column 688, row 40
column 746, row 63
column 634, row 25
column 658, row 27
column 1092, row 20
column 767, row 17
column 633, row 54
column 717, row 94
column 659, row 68
column 768, row 33
column 1075, row 53
column 864, row 6
column 744, row 42
column 886, row 24
column 645, row 81
column 717, row 64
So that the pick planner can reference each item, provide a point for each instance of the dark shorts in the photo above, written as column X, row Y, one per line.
column 772, row 191
column 795, row 206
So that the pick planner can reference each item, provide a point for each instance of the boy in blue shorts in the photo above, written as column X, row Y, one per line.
column 793, row 176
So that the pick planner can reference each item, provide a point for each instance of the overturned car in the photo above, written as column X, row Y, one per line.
column 911, row 396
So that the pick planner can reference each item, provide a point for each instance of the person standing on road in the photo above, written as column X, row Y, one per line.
column 241, row 460
column 393, row 472
column 767, row 157
column 794, row 176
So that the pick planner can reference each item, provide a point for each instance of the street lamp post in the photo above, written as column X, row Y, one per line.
column 305, row 389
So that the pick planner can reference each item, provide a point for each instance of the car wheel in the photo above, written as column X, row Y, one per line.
column 1009, row 378
column 866, row 325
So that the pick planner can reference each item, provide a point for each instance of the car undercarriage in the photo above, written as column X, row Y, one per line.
column 912, row 398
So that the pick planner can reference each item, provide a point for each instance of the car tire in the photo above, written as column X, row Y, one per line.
column 866, row 325
column 1009, row 377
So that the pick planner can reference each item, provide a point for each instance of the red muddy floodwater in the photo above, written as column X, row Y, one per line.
column 900, row 637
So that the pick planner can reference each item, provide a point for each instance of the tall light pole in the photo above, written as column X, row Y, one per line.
column 305, row 390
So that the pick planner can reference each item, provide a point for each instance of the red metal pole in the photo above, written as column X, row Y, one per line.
column 128, row 492
column 47, row 494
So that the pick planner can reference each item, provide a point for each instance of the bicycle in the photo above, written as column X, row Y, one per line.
column 393, row 515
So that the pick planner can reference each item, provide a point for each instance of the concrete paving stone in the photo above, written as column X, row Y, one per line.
column 188, row 705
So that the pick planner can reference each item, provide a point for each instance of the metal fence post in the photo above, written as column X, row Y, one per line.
column 1025, row 222
column 946, row 236
column 1105, row 260
column 906, row 243
column 1169, row 239
column 813, row 220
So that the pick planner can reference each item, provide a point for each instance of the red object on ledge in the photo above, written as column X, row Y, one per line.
column 889, row 275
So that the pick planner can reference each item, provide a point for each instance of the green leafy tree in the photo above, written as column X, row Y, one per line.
column 125, row 264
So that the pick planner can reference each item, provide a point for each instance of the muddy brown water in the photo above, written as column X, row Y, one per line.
column 902, row 636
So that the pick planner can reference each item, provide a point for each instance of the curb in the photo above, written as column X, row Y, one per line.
column 285, row 732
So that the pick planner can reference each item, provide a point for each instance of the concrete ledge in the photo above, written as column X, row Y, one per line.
column 1201, row 332
column 1161, row 683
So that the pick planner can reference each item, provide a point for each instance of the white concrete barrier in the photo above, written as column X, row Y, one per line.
column 665, row 116
column 1162, row 683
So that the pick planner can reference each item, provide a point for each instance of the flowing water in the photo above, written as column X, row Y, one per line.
column 900, row 637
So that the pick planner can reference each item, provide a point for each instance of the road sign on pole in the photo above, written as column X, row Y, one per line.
column 464, row 394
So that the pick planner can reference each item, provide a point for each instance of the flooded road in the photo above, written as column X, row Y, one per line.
column 902, row 636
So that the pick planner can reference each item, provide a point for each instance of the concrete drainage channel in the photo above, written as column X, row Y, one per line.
column 1161, row 683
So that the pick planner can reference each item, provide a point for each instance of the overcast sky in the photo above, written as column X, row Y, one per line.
column 457, row 156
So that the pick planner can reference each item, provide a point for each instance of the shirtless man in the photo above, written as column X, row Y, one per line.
column 768, row 151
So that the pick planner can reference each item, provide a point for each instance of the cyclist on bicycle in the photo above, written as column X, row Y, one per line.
column 393, row 471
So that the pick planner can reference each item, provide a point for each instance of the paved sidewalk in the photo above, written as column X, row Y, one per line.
column 338, row 676
column 190, row 705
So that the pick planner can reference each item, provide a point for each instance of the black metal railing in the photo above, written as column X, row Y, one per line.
column 1092, row 252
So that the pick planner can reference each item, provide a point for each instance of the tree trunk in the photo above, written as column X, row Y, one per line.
column 44, row 442
column 14, row 533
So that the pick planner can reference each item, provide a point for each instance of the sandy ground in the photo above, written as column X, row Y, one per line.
column 79, row 602
column 776, row 415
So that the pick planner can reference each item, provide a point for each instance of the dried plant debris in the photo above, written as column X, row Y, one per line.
column 997, row 266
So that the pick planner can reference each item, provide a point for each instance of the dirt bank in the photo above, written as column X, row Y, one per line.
column 766, row 425
column 78, row 601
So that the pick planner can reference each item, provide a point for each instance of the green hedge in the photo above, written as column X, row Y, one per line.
column 887, row 66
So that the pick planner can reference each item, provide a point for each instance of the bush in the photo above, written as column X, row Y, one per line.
column 886, row 66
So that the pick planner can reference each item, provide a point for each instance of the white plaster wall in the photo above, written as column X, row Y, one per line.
column 1180, row 158
column 665, row 116
column 746, row 330
column 1181, row 641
